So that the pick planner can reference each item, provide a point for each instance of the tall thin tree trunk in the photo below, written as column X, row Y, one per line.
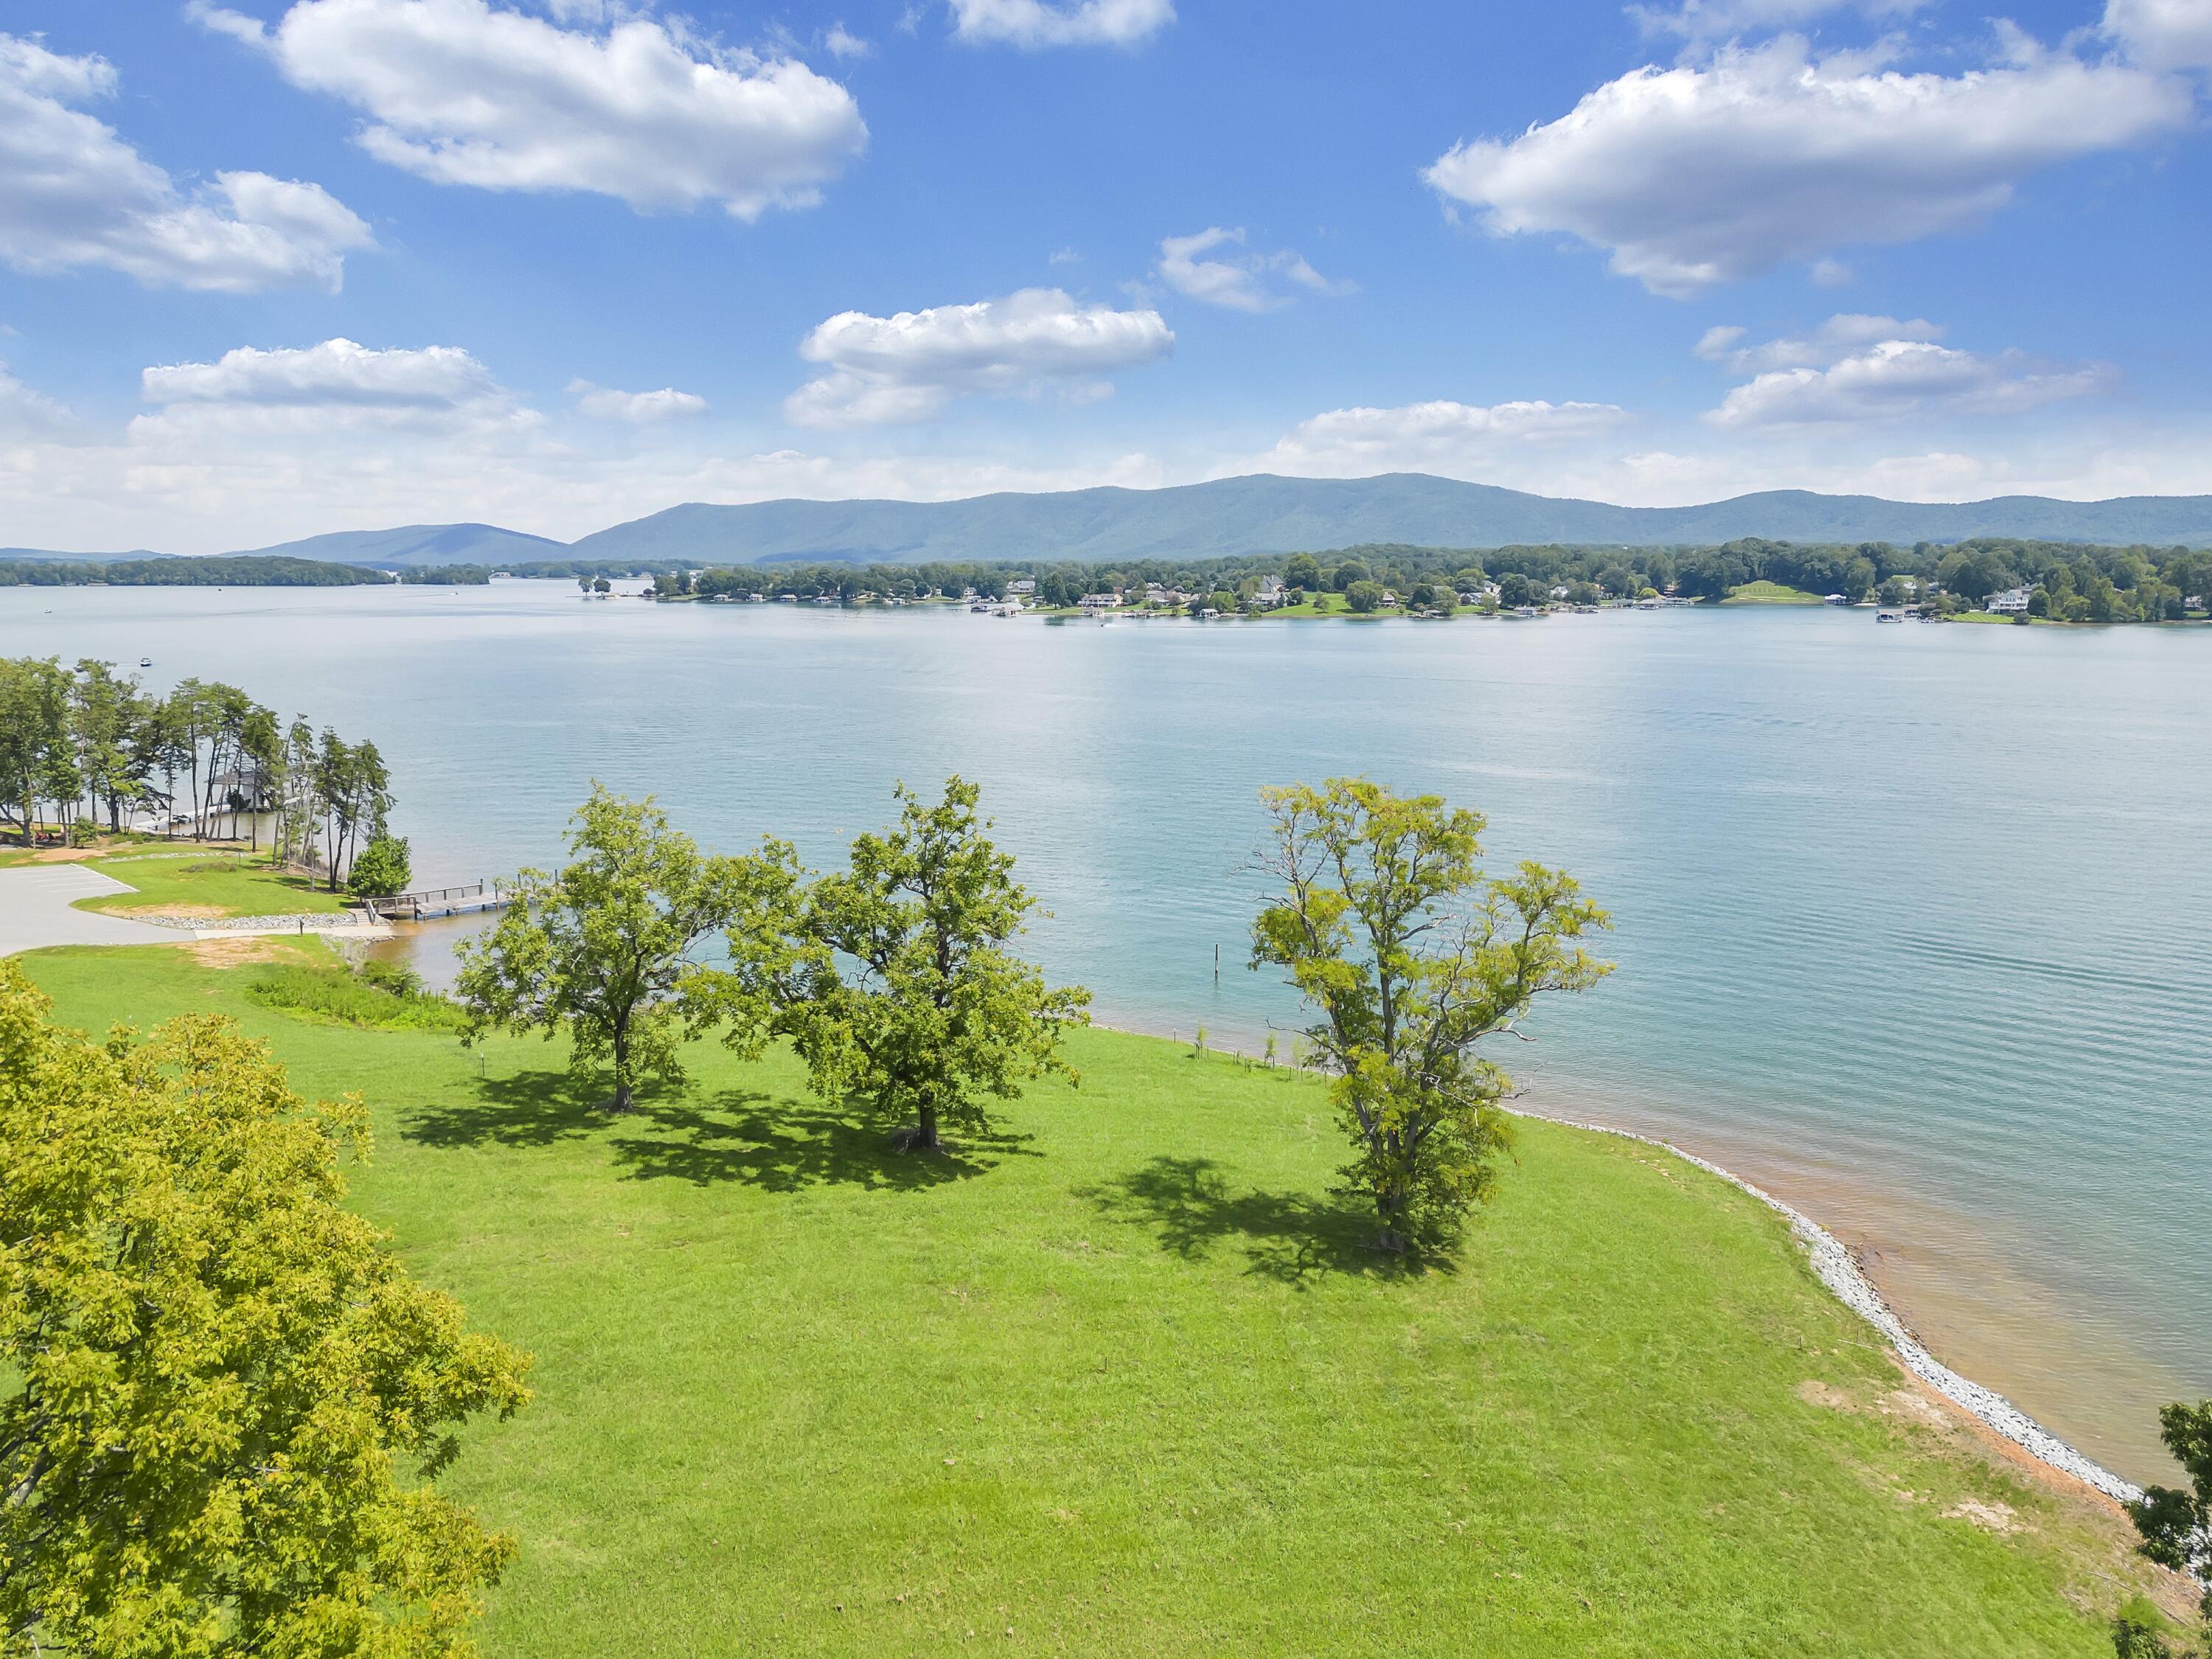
column 623, row 1101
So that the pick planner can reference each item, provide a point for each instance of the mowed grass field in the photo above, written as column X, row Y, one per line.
column 1767, row 592
column 1122, row 1380
column 198, row 882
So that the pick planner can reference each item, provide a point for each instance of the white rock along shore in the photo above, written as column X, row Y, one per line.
column 1841, row 1274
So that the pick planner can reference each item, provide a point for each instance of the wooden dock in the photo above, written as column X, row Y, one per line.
column 442, row 901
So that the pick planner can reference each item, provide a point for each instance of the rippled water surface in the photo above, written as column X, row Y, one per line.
column 1911, row 921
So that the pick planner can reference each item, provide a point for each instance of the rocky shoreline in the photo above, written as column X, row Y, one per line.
column 311, row 922
column 1842, row 1275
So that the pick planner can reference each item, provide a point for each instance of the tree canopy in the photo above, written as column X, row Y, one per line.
column 1411, row 958
column 910, row 999
column 607, row 950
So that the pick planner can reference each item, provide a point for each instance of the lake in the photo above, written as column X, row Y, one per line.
column 1912, row 922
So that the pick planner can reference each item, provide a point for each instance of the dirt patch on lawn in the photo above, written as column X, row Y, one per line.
column 197, row 912
column 237, row 952
column 65, row 855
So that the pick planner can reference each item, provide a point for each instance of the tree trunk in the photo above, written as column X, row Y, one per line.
column 624, row 1101
column 1390, row 1208
column 922, row 1137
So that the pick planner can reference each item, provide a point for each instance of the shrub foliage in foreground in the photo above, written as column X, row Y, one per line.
column 1413, row 957
column 2176, row 1522
column 222, row 1398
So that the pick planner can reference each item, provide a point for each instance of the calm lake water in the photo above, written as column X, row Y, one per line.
column 1912, row 922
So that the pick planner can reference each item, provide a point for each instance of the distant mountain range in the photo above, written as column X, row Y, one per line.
column 421, row 544
column 1257, row 514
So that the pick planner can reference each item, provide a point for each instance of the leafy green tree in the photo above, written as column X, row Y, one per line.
column 222, row 1400
column 1411, row 956
column 2176, row 1522
column 1301, row 570
column 910, row 998
column 1514, row 590
column 1364, row 597
column 1858, row 579
column 1350, row 571
column 383, row 868
column 606, row 950
column 35, row 751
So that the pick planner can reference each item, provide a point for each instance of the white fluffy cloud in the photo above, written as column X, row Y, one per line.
column 908, row 367
column 73, row 193
column 1834, row 340
column 638, row 408
column 1238, row 280
column 1888, row 379
column 2163, row 33
column 337, row 374
column 461, row 91
column 1439, row 436
column 1035, row 23
column 1697, row 175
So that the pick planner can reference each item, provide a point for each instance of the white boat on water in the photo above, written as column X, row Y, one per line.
column 1889, row 616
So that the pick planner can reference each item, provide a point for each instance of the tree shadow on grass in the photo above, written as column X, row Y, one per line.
column 785, row 1146
column 531, row 1109
column 741, row 1135
column 1289, row 1237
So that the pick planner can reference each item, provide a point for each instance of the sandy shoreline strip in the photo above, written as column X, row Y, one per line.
column 1842, row 1275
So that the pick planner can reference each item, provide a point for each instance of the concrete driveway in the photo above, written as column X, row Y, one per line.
column 34, row 911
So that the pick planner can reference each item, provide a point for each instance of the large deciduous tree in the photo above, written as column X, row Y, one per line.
column 1413, row 957
column 607, row 950
column 222, row 1400
column 911, row 999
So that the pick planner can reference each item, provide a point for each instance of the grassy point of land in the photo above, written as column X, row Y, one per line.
column 1122, row 1379
column 203, row 882
column 1767, row 592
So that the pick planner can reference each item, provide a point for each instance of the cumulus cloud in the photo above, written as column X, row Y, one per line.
column 336, row 373
column 1702, row 174
column 908, row 367
column 460, row 92
column 2163, row 34
column 1034, row 24
column 1239, row 281
column 638, row 408
column 73, row 193
column 1895, row 378
column 841, row 42
column 1837, row 339
column 1439, row 436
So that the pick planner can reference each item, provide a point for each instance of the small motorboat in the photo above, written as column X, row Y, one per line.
column 145, row 662
column 1887, row 616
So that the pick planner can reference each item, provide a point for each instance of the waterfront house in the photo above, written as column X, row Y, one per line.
column 2013, row 602
column 1101, row 601
column 1026, row 584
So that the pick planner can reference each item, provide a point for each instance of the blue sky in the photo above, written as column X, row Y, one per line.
column 274, row 267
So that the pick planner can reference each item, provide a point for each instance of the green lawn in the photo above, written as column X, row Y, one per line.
column 200, row 882
column 1767, row 592
column 1123, row 1381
